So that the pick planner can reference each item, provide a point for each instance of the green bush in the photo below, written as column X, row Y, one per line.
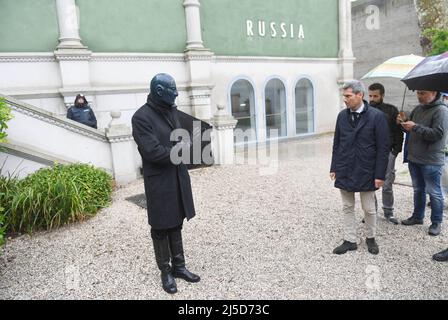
column 5, row 116
column 8, row 187
column 438, row 40
column 52, row 197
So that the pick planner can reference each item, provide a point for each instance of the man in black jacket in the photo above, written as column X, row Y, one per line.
column 376, row 97
column 82, row 113
column 167, row 185
column 359, row 162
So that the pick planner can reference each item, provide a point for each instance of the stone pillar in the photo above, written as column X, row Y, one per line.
column 345, row 29
column 199, row 63
column 222, row 141
column 193, row 21
column 346, row 59
column 122, row 149
column 68, row 21
column 72, row 55
column 200, row 100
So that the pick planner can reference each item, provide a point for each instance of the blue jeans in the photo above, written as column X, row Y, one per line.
column 426, row 179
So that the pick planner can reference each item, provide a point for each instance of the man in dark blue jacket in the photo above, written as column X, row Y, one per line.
column 359, row 162
column 82, row 113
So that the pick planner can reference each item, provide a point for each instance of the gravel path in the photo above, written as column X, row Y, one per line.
column 255, row 237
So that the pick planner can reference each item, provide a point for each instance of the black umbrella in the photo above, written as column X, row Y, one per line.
column 431, row 74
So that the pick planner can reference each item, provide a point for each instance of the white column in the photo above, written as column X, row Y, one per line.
column 193, row 20
column 346, row 58
column 68, row 25
column 345, row 29
column 72, row 55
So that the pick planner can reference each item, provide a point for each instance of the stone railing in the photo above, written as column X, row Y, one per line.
column 36, row 131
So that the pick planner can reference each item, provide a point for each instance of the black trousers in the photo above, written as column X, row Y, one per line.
column 158, row 234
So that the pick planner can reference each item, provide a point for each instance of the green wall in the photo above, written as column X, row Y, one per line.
column 225, row 31
column 133, row 25
column 28, row 26
column 159, row 26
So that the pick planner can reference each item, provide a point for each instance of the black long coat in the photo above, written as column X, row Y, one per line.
column 361, row 154
column 167, row 186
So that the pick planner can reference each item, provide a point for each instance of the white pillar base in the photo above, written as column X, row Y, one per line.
column 223, row 139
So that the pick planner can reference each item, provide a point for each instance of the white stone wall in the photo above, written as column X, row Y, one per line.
column 124, row 85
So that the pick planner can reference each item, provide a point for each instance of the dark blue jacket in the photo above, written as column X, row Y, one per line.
column 83, row 114
column 361, row 153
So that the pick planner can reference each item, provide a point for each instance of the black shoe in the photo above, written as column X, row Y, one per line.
column 346, row 246
column 435, row 229
column 411, row 221
column 441, row 256
column 162, row 253
column 392, row 219
column 372, row 246
column 178, row 258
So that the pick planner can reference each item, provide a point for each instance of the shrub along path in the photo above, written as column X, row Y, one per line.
column 255, row 237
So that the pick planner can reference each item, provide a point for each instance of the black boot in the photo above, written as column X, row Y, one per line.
column 372, row 246
column 178, row 259
column 162, row 252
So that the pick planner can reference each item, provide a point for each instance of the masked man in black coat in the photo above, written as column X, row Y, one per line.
column 167, row 185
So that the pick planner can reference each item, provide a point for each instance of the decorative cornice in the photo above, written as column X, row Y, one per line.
column 194, row 87
column 224, row 127
column 121, row 139
column 68, row 92
column 250, row 59
column 134, row 57
column 27, row 57
column 199, row 54
column 200, row 96
column 73, row 55
column 48, row 117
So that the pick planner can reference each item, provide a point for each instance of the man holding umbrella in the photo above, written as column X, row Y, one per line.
column 427, row 127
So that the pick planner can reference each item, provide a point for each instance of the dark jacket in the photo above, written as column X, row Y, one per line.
column 395, row 131
column 82, row 113
column 361, row 153
column 167, row 186
column 427, row 139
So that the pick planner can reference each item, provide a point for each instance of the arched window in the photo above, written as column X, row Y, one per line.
column 304, row 107
column 275, row 104
column 243, row 107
